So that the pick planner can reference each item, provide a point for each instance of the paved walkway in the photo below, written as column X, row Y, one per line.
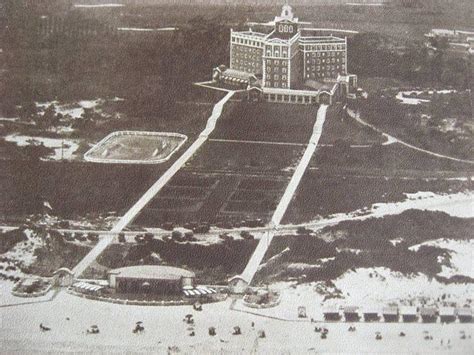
column 133, row 212
column 256, row 142
column 257, row 256
column 392, row 139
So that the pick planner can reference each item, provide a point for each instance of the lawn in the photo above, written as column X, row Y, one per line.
column 391, row 159
column 245, row 158
column 339, row 127
column 321, row 194
column 265, row 121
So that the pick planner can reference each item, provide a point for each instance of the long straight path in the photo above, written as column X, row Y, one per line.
column 133, row 212
column 257, row 256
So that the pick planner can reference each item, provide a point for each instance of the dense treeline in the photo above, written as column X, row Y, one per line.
column 151, row 70
column 374, row 55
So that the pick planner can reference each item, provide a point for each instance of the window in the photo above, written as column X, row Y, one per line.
column 319, row 54
column 283, row 77
column 276, row 62
column 276, row 77
column 283, row 70
column 283, row 85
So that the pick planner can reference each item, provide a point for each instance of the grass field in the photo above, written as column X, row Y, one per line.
column 213, row 198
column 245, row 158
column 321, row 194
column 267, row 122
column 389, row 158
column 340, row 127
column 136, row 146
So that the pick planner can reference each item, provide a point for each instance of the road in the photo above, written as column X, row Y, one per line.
column 257, row 257
column 392, row 139
column 133, row 212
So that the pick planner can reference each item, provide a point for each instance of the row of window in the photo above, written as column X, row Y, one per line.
column 324, row 47
column 247, row 56
column 322, row 67
column 240, row 49
column 284, row 70
column 247, row 41
column 290, row 98
column 276, row 62
column 284, row 54
column 245, row 63
column 277, row 84
column 329, row 60
column 327, row 74
column 277, row 77
column 323, row 54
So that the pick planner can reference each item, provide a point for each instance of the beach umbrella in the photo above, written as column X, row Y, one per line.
column 94, row 326
column 139, row 322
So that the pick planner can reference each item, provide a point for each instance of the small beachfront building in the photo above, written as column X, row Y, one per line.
column 331, row 314
column 390, row 314
column 464, row 314
column 351, row 314
column 156, row 279
column 429, row 314
column 409, row 313
column 371, row 314
column 447, row 314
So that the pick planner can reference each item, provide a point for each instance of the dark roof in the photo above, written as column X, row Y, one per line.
column 371, row 310
column 148, row 272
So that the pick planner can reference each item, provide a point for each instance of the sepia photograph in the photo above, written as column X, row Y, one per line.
column 236, row 177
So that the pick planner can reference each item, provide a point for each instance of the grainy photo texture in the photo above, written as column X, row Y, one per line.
column 236, row 176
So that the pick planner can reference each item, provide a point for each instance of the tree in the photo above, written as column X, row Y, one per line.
column 28, row 111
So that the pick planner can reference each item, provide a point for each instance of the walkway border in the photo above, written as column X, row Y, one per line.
column 257, row 256
column 128, row 217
